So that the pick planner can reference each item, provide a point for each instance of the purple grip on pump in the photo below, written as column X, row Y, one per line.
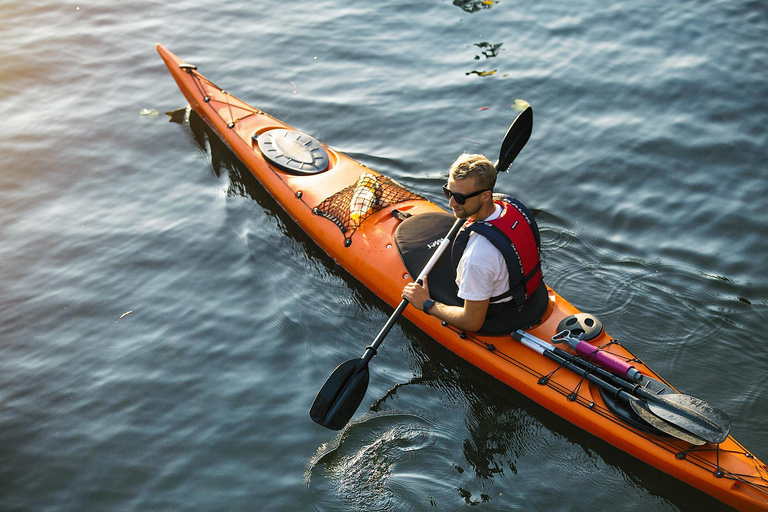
column 604, row 359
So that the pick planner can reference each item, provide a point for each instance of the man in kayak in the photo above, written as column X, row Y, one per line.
column 496, row 256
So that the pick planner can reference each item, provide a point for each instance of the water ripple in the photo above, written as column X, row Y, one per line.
column 371, row 464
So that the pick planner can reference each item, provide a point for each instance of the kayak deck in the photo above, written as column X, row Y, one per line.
column 364, row 245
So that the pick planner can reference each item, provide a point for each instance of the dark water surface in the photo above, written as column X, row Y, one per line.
column 164, row 326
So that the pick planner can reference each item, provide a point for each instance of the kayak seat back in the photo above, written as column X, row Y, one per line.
column 416, row 239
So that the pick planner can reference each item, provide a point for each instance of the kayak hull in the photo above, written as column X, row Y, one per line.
column 366, row 249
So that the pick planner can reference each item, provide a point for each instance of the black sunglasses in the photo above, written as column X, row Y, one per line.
column 461, row 198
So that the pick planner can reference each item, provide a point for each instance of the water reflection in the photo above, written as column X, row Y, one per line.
column 474, row 5
column 481, row 73
column 488, row 50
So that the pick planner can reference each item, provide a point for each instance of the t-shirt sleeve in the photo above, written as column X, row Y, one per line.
column 479, row 271
column 476, row 283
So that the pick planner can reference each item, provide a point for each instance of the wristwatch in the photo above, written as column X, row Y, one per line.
column 427, row 304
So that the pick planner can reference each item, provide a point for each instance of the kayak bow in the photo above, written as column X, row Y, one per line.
column 320, row 187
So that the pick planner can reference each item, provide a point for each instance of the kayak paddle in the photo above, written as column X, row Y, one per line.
column 345, row 388
column 515, row 139
column 682, row 416
column 342, row 393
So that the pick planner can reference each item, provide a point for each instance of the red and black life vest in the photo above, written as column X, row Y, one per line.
column 515, row 234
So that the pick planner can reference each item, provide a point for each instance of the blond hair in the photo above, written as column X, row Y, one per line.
column 474, row 165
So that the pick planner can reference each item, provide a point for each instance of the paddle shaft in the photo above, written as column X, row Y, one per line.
column 371, row 350
column 631, row 387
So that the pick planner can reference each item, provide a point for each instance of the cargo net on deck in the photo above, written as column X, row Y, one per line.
column 349, row 207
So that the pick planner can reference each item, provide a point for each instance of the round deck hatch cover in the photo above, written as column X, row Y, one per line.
column 293, row 151
column 582, row 323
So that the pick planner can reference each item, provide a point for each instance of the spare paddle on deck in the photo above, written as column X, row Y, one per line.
column 685, row 411
column 682, row 416
column 340, row 396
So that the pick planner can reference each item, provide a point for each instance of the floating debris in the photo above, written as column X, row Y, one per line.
column 147, row 112
column 294, row 86
column 124, row 315
column 520, row 105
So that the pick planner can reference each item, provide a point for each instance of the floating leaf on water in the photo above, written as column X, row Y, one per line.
column 520, row 105
column 482, row 73
column 483, row 108
column 147, row 112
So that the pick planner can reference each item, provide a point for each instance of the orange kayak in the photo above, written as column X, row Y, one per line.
column 353, row 213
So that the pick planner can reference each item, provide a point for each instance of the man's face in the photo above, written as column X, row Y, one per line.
column 472, row 205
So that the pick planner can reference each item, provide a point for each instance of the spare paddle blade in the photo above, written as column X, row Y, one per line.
column 517, row 135
column 641, row 409
column 340, row 396
column 693, row 415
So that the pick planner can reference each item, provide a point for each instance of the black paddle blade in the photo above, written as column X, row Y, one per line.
column 341, row 395
column 517, row 135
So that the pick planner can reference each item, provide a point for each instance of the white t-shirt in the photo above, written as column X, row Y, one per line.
column 482, row 272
